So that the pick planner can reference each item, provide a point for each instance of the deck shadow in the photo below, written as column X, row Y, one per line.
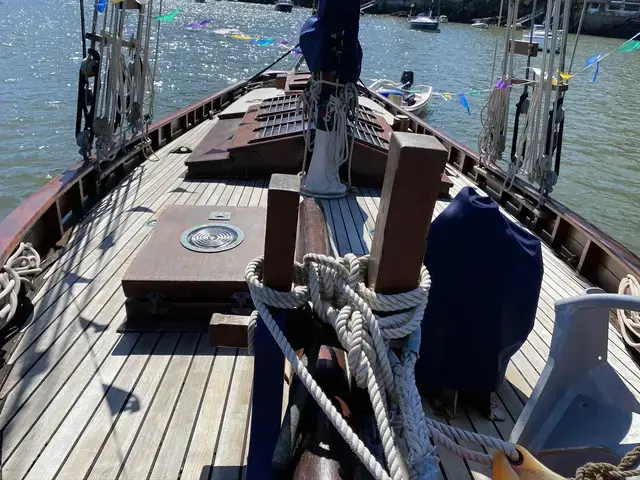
column 226, row 472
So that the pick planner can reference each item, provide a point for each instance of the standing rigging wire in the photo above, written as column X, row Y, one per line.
column 83, row 31
column 575, row 44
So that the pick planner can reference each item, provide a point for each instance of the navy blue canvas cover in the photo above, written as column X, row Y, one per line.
column 486, row 273
column 329, row 40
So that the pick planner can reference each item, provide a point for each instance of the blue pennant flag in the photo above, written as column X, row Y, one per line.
column 463, row 101
column 100, row 5
column 590, row 61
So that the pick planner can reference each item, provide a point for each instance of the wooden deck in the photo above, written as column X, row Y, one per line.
column 84, row 401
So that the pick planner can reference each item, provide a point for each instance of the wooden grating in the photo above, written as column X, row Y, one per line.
column 277, row 118
column 288, row 103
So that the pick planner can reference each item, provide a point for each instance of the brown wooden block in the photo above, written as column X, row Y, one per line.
column 228, row 330
column 281, row 81
column 282, row 223
column 409, row 192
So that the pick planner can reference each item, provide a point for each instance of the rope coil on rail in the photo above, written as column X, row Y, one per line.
column 629, row 321
column 336, row 289
column 21, row 268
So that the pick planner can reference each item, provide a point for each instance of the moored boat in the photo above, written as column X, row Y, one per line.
column 543, row 38
column 129, row 357
column 412, row 98
column 284, row 5
column 481, row 25
column 444, row 19
column 424, row 22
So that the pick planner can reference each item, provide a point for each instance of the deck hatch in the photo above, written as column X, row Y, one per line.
column 212, row 238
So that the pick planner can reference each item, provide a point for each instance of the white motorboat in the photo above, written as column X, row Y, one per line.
column 480, row 25
column 541, row 38
column 284, row 6
column 413, row 99
column 444, row 19
column 424, row 22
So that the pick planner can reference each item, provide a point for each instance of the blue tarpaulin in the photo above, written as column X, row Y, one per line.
column 486, row 274
column 329, row 40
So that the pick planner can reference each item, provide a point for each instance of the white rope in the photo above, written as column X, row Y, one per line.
column 21, row 268
column 491, row 140
column 308, row 105
column 629, row 321
column 341, row 112
column 338, row 294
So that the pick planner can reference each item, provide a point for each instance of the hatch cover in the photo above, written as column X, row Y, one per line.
column 212, row 237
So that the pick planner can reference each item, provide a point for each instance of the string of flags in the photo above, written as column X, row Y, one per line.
column 630, row 45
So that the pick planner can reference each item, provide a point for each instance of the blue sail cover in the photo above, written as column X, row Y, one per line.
column 329, row 40
column 486, row 274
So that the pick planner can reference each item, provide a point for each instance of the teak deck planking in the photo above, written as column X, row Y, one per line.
column 83, row 401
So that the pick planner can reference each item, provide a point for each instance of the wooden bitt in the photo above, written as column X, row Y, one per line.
column 268, row 379
column 281, row 81
column 409, row 193
column 228, row 330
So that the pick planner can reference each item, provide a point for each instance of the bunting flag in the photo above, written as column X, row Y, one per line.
column 447, row 96
column 629, row 46
column 200, row 24
column 463, row 101
column 474, row 92
column 169, row 17
column 242, row 36
column 590, row 61
column 264, row 42
column 501, row 84
column 101, row 5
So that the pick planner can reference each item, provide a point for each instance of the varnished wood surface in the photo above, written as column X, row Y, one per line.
column 84, row 401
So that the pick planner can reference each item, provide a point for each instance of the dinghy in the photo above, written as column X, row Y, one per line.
column 411, row 98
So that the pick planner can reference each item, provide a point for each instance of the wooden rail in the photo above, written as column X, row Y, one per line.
column 46, row 217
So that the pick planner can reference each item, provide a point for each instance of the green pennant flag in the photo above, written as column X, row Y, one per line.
column 474, row 92
column 629, row 46
column 169, row 17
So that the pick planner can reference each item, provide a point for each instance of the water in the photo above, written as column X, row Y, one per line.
column 40, row 51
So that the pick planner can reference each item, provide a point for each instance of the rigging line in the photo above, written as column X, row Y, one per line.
column 575, row 44
column 272, row 64
column 83, row 30
column 495, row 48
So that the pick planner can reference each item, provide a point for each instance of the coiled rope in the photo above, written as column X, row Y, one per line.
column 607, row 471
column 336, row 289
column 21, row 268
column 629, row 321
column 341, row 112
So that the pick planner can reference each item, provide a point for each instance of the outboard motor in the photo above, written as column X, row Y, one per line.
column 406, row 79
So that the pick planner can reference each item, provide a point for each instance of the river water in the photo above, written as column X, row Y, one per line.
column 40, row 51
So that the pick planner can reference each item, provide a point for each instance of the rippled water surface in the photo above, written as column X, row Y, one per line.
column 40, row 51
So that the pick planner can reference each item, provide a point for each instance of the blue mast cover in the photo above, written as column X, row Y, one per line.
column 329, row 40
